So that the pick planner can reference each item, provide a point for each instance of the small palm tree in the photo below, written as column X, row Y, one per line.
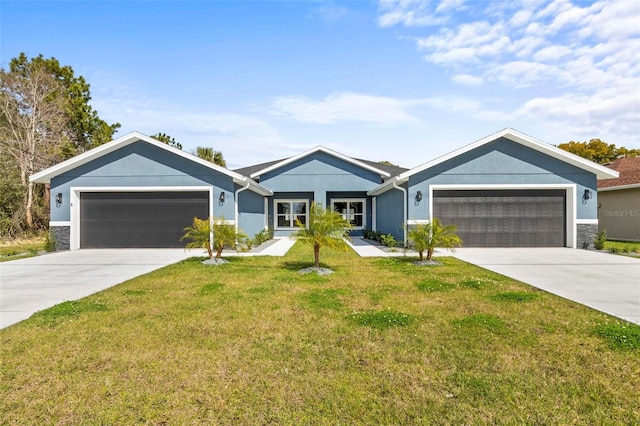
column 326, row 229
column 431, row 235
column 201, row 231
column 199, row 234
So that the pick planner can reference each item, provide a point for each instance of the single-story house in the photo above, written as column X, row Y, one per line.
column 619, row 201
column 505, row 190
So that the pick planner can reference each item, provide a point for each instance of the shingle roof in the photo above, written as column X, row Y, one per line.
column 629, row 169
column 247, row 171
column 392, row 170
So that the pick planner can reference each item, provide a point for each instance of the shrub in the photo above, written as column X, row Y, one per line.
column 388, row 240
column 600, row 240
column 263, row 236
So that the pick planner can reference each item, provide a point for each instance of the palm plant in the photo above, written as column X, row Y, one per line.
column 326, row 229
column 200, row 234
column 426, row 237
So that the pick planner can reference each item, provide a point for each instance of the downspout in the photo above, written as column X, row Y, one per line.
column 404, row 217
column 239, row 190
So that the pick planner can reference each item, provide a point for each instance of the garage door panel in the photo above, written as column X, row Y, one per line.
column 504, row 218
column 138, row 219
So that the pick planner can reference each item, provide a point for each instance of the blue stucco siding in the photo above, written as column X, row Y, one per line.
column 251, row 214
column 320, row 173
column 141, row 165
column 389, row 213
column 503, row 162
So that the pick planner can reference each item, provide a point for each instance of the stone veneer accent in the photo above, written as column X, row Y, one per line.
column 587, row 232
column 62, row 237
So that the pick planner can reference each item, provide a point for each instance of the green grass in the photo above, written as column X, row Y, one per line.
column 379, row 341
column 622, row 247
column 21, row 249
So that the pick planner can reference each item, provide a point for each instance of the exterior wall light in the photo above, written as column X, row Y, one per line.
column 221, row 198
column 59, row 198
column 419, row 196
column 587, row 194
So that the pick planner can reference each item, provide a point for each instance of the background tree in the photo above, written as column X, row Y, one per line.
column 598, row 151
column 326, row 228
column 85, row 130
column 426, row 237
column 45, row 117
column 211, row 155
column 164, row 138
column 33, row 126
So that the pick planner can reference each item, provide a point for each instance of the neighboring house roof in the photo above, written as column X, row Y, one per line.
column 45, row 176
column 600, row 171
column 276, row 165
column 629, row 169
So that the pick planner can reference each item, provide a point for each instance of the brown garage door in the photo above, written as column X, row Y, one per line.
column 504, row 218
column 138, row 219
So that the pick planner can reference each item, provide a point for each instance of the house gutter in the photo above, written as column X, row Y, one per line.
column 235, row 198
column 404, row 204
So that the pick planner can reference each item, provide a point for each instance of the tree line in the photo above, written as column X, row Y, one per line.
column 45, row 118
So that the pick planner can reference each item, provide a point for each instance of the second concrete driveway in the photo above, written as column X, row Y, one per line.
column 36, row 283
column 602, row 281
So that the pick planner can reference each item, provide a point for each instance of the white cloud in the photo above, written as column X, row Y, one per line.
column 467, row 80
column 348, row 106
column 412, row 13
column 582, row 57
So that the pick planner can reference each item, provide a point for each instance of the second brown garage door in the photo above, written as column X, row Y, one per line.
column 504, row 218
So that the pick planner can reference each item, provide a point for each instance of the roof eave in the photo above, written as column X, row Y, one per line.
column 384, row 187
column 319, row 148
column 600, row 171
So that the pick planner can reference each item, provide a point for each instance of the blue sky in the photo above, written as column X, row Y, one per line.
column 398, row 80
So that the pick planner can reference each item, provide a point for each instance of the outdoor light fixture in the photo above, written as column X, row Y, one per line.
column 59, row 198
column 419, row 196
column 221, row 198
column 587, row 194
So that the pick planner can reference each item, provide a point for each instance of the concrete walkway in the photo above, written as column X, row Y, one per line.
column 602, row 281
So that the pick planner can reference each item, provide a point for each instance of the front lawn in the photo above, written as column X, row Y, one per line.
column 379, row 341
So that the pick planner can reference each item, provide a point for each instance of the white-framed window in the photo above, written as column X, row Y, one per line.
column 288, row 211
column 353, row 210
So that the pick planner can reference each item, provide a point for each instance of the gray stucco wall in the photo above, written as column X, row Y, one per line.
column 251, row 214
column 503, row 162
column 389, row 213
column 141, row 164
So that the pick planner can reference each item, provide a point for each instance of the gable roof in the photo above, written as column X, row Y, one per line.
column 45, row 175
column 600, row 171
column 629, row 169
column 319, row 148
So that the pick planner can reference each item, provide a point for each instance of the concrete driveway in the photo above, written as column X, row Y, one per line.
column 36, row 283
column 602, row 281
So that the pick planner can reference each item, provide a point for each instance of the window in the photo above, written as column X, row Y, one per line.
column 353, row 211
column 288, row 211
